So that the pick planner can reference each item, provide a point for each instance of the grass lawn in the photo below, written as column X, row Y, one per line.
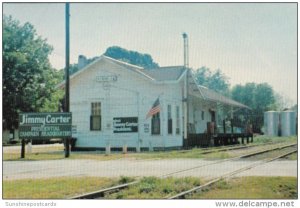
column 266, row 139
column 156, row 188
column 52, row 154
column 56, row 188
column 238, row 188
column 59, row 155
column 252, row 188
column 194, row 153
column 153, row 188
column 293, row 156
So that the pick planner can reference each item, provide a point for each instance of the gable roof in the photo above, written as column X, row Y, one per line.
column 131, row 67
column 169, row 73
column 160, row 74
column 163, row 74
column 212, row 95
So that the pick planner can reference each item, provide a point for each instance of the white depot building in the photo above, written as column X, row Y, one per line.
column 115, row 104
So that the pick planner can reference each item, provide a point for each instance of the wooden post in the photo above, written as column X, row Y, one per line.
column 210, row 131
column 29, row 147
column 125, row 149
column 215, row 142
column 235, row 140
column 150, row 147
column 138, row 148
column 224, row 126
column 23, row 148
column 67, row 147
column 107, row 149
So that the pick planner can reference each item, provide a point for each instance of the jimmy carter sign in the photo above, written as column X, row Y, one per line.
column 125, row 125
column 45, row 125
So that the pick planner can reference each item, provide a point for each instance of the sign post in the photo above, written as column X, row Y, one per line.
column 39, row 126
column 23, row 148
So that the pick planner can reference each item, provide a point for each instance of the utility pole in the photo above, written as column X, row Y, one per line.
column 185, row 104
column 67, row 87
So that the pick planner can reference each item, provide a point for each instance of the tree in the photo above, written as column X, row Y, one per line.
column 52, row 103
column 213, row 80
column 282, row 102
column 259, row 97
column 132, row 57
column 116, row 52
column 27, row 73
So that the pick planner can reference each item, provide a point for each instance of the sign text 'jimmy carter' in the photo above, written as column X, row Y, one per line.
column 125, row 124
column 45, row 125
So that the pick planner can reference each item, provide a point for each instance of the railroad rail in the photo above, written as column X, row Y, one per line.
column 101, row 193
column 229, row 159
column 227, row 175
column 230, row 147
column 234, row 147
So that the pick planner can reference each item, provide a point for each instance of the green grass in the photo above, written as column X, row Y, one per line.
column 265, row 139
column 156, row 188
column 293, row 156
column 251, row 188
column 33, row 156
column 153, row 188
column 58, row 153
column 237, row 188
column 195, row 153
column 56, row 188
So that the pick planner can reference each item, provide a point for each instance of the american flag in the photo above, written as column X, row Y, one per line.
column 155, row 109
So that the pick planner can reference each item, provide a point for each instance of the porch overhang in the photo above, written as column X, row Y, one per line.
column 211, row 95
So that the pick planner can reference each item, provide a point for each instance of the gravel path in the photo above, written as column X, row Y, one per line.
column 128, row 167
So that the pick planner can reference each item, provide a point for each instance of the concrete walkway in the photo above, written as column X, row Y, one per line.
column 13, row 170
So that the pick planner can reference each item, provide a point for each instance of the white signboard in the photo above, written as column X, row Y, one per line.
column 107, row 78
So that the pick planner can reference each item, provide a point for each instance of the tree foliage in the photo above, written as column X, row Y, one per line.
column 213, row 80
column 28, row 79
column 259, row 97
column 118, row 53
column 132, row 57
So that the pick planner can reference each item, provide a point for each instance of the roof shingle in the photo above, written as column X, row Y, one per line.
column 170, row 73
column 216, row 97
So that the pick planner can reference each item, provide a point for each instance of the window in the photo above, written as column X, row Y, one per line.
column 202, row 115
column 177, row 120
column 155, row 124
column 95, row 119
column 170, row 129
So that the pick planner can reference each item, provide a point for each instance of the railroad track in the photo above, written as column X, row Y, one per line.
column 101, row 193
column 230, row 147
column 227, row 175
column 229, row 159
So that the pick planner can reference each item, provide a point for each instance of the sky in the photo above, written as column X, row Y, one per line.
column 248, row 42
